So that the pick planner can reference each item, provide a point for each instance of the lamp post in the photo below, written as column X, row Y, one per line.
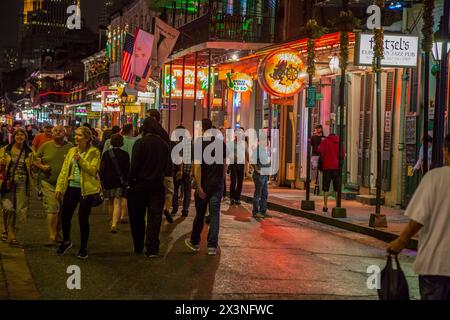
column 123, row 98
column 377, row 219
column 441, row 98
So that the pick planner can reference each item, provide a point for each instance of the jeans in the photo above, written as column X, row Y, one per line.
column 260, row 195
column 72, row 198
column 434, row 287
column 185, row 183
column 237, row 178
column 142, row 203
column 213, row 199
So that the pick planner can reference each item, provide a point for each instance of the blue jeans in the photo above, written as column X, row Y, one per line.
column 434, row 287
column 260, row 195
column 213, row 199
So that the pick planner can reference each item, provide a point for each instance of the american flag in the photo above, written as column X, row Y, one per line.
column 127, row 57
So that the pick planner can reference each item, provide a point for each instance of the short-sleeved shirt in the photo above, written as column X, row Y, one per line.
column 53, row 156
column 430, row 206
column 40, row 139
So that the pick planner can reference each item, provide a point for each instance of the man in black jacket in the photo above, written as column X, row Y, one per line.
column 168, row 179
column 146, row 194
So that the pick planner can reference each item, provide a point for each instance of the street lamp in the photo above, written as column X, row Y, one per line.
column 123, row 98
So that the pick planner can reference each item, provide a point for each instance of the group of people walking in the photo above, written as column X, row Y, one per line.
column 135, row 173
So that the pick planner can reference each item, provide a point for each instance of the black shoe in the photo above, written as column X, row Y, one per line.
column 207, row 219
column 184, row 213
column 82, row 254
column 238, row 202
column 174, row 213
column 168, row 216
column 325, row 209
column 232, row 201
column 63, row 247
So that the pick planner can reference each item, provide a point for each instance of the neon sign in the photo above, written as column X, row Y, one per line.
column 282, row 73
column 189, row 80
column 239, row 82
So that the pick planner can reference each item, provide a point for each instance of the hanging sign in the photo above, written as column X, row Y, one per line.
column 282, row 73
column 239, row 82
column 399, row 50
column 311, row 97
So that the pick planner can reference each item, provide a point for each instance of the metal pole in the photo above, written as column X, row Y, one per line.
column 308, row 204
column 443, row 86
column 401, row 139
column 340, row 212
column 426, row 88
column 378, row 181
column 170, row 97
column 377, row 219
column 195, row 91
column 182, row 89
column 208, row 99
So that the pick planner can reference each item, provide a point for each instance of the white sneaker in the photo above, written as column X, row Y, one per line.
column 212, row 251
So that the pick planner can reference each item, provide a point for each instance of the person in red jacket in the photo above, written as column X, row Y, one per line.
column 329, row 149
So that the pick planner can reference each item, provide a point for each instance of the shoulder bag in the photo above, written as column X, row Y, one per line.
column 8, row 183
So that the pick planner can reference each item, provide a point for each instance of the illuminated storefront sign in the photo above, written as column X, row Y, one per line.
column 146, row 97
column 93, row 115
column 96, row 107
column 189, row 76
column 110, row 101
column 133, row 108
column 80, row 111
column 239, row 82
column 282, row 73
column 399, row 50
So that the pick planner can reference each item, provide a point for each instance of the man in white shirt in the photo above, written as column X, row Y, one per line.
column 429, row 211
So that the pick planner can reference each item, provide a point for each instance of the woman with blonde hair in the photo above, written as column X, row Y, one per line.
column 78, row 184
column 16, row 178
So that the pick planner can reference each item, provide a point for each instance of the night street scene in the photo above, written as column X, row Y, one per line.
column 224, row 155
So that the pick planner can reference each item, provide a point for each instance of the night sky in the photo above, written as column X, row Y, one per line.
column 90, row 10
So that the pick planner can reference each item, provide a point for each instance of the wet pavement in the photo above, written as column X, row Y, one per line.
column 284, row 257
column 357, row 213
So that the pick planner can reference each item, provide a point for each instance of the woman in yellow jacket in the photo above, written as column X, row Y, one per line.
column 77, row 183
column 15, row 179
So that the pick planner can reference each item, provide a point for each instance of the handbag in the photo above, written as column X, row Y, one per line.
column 8, row 184
column 97, row 199
column 394, row 285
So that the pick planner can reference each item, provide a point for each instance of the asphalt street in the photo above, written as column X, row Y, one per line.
column 284, row 257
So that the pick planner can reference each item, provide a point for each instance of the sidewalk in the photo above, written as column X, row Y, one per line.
column 288, row 201
column 16, row 281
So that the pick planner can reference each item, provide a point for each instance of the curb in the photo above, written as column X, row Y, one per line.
column 335, row 222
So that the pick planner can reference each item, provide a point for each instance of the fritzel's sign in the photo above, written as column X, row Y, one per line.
column 282, row 73
column 399, row 50
column 239, row 82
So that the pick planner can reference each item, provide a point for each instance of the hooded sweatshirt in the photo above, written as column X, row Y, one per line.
column 329, row 149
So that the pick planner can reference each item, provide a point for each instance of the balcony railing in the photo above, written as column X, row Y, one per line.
column 226, row 27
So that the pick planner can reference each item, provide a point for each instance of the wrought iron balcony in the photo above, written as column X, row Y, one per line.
column 226, row 27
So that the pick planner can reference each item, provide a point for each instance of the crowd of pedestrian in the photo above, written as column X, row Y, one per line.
column 131, row 169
